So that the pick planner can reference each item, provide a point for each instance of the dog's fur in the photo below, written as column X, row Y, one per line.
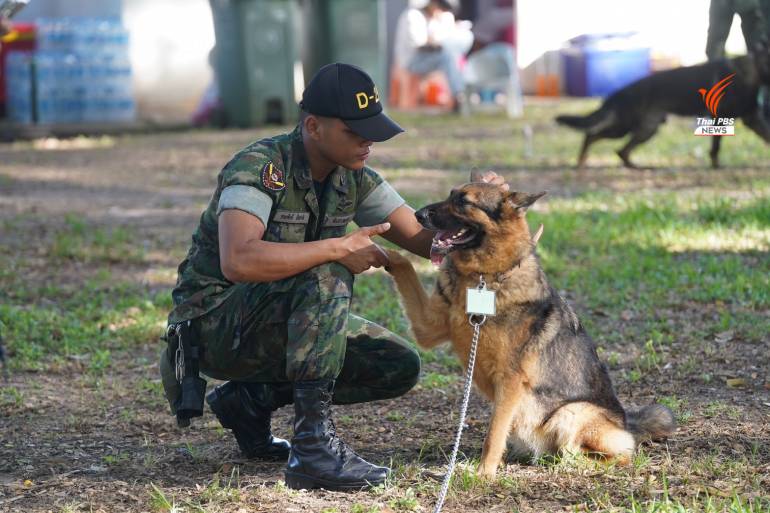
column 535, row 362
column 641, row 107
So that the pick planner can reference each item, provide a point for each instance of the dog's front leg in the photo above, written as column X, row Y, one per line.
column 428, row 315
column 497, row 436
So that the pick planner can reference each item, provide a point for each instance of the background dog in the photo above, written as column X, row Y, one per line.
column 535, row 362
column 640, row 108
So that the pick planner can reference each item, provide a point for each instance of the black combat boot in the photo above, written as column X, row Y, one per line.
column 318, row 458
column 245, row 408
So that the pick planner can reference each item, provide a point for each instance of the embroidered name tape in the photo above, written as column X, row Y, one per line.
column 337, row 220
column 286, row 216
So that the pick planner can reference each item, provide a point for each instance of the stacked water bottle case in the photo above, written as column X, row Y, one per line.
column 80, row 72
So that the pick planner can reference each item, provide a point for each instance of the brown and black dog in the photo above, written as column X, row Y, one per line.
column 535, row 362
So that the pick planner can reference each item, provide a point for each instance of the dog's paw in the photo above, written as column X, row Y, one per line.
column 487, row 471
column 396, row 261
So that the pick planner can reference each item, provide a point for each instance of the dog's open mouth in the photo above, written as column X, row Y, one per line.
column 449, row 240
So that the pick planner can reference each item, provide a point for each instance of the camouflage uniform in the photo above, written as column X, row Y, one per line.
column 298, row 328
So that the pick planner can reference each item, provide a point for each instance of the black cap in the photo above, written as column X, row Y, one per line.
column 346, row 92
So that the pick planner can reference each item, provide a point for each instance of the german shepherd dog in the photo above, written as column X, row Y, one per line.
column 535, row 361
column 641, row 107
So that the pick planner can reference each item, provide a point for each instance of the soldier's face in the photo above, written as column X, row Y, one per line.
column 341, row 145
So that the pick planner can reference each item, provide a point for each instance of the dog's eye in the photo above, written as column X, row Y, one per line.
column 459, row 200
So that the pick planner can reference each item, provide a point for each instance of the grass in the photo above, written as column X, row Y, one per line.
column 659, row 265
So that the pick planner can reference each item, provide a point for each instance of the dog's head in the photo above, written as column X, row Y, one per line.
column 481, row 222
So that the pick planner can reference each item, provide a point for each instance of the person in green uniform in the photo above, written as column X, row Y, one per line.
column 268, row 281
column 721, row 13
column 755, row 25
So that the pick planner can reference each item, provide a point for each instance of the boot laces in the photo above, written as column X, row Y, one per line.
column 336, row 443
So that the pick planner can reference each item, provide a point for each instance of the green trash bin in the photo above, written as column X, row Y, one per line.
column 258, row 63
column 349, row 31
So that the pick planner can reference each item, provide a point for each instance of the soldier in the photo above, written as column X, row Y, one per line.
column 266, row 287
column 753, row 24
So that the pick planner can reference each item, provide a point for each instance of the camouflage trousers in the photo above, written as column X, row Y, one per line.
column 301, row 328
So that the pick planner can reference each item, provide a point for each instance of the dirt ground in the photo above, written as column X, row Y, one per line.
column 80, row 443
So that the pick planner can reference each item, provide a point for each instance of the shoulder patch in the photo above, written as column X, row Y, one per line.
column 272, row 177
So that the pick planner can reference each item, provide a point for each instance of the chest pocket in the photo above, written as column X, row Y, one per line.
column 288, row 226
column 334, row 225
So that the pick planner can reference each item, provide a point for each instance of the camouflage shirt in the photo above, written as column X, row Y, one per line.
column 271, row 180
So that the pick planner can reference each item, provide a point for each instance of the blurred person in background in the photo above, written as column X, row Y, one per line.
column 210, row 111
column 494, row 24
column 427, row 40
column 755, row 25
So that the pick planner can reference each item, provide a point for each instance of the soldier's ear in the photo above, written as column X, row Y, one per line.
column 521, row 201
column 312, row 126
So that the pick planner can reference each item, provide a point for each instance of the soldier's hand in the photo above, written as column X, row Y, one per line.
column 360, row 252
column 489, row 177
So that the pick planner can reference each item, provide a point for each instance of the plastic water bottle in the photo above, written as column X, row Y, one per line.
column 84, row 72
column 18, row 74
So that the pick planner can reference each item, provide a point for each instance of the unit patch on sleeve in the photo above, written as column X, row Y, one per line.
column 272, row 178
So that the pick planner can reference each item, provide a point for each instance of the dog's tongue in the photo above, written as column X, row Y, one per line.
column 436, row 257
column 438, row 250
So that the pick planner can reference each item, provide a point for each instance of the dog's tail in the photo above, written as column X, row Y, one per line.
column 592, row 123
column 653, row 422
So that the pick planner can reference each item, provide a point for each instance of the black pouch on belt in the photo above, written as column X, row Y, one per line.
column 183, row 344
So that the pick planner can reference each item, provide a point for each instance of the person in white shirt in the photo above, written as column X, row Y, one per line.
column 422, row 42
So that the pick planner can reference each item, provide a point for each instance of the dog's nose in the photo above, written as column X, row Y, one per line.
column 423, row 215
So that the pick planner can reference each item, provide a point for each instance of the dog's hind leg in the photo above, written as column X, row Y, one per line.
column 758, row 125
column 602, row 436
column 499, row 428
column 585, row 427
column 714, row 154
column 640, row 135
column 587, row 142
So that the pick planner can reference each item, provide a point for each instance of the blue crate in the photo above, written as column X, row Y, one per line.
column 595, row 69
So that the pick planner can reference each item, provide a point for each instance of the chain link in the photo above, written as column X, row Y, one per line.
column 463, row 409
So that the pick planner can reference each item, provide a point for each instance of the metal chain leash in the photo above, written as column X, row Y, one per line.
column 463, row 409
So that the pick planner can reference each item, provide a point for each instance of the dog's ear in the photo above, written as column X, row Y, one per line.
column 476, row 175
column 521, row 201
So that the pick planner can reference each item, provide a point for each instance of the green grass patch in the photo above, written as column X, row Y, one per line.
column 84, row 326
column 78, row 240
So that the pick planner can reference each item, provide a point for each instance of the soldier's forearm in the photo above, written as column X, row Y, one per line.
column 419, row 243
column 407, row 233
column 264, row 261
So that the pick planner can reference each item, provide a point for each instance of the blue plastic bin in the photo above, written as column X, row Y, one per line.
column 598, row 65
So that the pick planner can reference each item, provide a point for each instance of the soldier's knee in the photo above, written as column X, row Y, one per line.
column 334, row 280
column 410, row 372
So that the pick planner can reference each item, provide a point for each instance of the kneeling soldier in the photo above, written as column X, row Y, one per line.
column 263, row 297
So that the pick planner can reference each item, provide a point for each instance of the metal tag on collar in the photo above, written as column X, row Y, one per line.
column 480, row 300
